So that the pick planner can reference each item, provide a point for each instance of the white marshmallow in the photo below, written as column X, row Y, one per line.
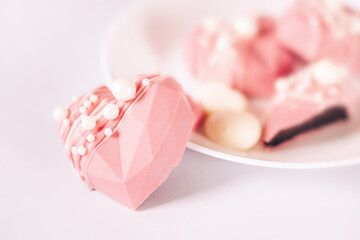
column 235, row 130
column 218, row 97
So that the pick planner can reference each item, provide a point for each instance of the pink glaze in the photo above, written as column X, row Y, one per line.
column 147, row 143
column 304, row 98
column 250, row 65
column 314, row 30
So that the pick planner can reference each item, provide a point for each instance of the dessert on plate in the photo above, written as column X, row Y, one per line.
column 322, row 29
column 228, row 120
column 319, row 95
column 244, row 55
column 125, row 141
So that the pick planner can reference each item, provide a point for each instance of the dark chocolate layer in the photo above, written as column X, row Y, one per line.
column 327, row 117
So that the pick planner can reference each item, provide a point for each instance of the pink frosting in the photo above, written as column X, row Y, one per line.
column 250, row 65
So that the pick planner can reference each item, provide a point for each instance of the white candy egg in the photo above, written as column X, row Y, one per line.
column 218, row 97
column 88, row 123
column 60, row 114
column 111, row 111
column 235, row 130
column 123, row 89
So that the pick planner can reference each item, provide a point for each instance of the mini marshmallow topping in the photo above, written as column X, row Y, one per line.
column 123, row 89
column 328, row 73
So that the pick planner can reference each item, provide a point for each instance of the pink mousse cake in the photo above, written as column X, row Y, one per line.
column 246, row 55
column 318, row 29
column 315, row 97
column 125, row 141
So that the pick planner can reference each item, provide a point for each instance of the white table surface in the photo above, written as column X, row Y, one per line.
column 50, row 50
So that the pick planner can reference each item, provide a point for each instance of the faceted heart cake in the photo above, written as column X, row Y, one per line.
column 245, row 55
column 315, row 97
column 322, row 29
column 126, row 140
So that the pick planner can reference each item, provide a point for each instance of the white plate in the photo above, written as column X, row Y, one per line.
column 150, row 36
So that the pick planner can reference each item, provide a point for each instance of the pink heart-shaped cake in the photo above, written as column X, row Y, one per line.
column 126, row 140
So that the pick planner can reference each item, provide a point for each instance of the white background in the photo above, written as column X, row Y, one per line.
column 50, row 50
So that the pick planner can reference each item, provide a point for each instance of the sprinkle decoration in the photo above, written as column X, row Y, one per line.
column 123, row 89
column 105, row 117
column 94, row 98
column 88, row 123
column 111, row 111
column 60, row 114
column 90, row 138
column 108, row 132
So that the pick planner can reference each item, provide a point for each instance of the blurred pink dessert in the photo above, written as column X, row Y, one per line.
column 246, row 55
column 317, row 96
column 322, row 29
column 125, row 141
